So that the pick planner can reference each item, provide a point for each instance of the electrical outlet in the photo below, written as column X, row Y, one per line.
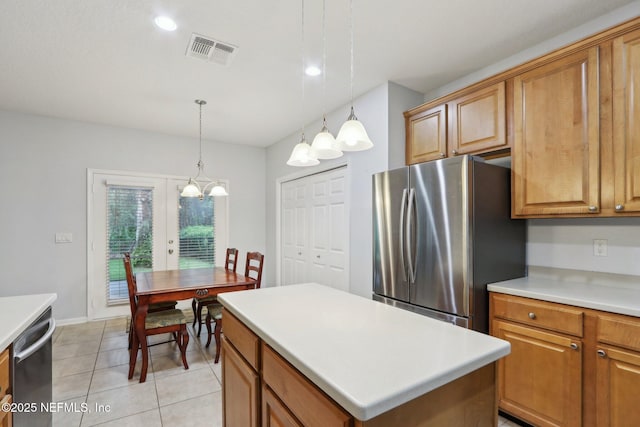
column 600, row 247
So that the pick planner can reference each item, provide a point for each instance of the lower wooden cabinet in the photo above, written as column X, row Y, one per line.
column 241, row 394
column 618, row 387
column 6, row 418
column 541, row 380
column 568, row 366
column 274, row 413
column 260, row 388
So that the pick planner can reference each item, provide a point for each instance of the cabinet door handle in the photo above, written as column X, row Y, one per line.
column 619, row 208
column 601, row 353
column 574, row 346
column 455, row 152
column 532, row 315
column 442, row 155
column 593, row 209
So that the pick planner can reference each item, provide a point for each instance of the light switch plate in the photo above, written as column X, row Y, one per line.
column 64, row 237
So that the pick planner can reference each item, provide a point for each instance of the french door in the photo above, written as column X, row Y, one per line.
column 314, row 232
column 145, row 216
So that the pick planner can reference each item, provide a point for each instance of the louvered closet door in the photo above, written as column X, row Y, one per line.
column 314, row 232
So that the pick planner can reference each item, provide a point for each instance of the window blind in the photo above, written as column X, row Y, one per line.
column 129, row 229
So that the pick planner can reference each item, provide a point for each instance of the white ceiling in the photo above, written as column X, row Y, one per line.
column 104, row 61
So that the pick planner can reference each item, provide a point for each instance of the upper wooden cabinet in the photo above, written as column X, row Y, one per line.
column 426, row 135
column 472, row 122
column 626, row 122
column 478, row 121
column 555, row 158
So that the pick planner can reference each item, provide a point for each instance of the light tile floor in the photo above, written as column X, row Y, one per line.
column 90, row 367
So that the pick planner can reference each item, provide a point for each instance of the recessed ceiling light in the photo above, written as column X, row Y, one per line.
column 312, row 71
column 165, row 23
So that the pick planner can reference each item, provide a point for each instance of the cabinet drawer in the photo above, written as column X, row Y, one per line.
column 546, row 315
column 305, row 401
column 246, row 342
column 4, row 373
column 623, row 331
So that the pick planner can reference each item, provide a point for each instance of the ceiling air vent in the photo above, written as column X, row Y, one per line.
column 208, row 49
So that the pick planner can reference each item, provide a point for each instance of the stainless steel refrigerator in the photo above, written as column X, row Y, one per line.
column 441, row 232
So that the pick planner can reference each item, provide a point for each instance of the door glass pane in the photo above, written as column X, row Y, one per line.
column 129, row 229
column 197, row 234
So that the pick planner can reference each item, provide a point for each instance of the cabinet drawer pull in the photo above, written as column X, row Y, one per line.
column 532, row 315
column 593, row 209
column 619, row 208
column 574, row 346
column 601, row 353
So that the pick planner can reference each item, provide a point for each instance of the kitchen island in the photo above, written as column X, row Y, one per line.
column 311, row 355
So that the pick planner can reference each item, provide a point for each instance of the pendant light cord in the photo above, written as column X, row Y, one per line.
column 302, row 60
column 324, row 64
column 200, row 134
column 351, row 31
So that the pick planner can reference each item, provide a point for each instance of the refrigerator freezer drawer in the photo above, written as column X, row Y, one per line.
column 449, row 318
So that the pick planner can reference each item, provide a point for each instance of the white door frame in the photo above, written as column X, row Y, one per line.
column 221, row 241
column 303, row 174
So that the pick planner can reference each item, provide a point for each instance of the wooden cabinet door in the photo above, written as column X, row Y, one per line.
column 618, row 387
column 274, row 413
column 6, row 418
column 427, row 135
column 555, row 157
column 241, row 391
column 541, row 380
column 626, row 122
column 478, row 121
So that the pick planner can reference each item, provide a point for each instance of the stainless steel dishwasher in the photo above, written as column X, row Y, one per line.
column 32, row 372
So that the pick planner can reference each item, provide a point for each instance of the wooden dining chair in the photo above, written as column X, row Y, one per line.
column 252, row 269
column 171, row 321
column 158, row 306
column 230, row 263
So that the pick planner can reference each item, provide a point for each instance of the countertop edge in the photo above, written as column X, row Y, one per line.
column 355, row 408
column 42, row 301
column 549, row 296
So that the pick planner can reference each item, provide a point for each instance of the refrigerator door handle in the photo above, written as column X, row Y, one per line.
column 409, row 235
column 403, row 208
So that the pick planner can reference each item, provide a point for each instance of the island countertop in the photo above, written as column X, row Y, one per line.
column 18, row 312
column 368, row 356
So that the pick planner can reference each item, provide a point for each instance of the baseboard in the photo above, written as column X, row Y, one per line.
column 71, row 321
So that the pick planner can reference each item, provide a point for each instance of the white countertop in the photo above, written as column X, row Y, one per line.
column 368, row 356
column 605, row 293
column 17, row 313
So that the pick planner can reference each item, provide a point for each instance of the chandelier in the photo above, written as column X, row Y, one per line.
column 198, row 189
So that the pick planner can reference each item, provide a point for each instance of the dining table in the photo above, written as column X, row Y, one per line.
column 175, row 285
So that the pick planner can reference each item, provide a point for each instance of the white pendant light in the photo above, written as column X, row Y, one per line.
column 302, row 154
column 193, row 187
column 352, row 135
column 324, row 143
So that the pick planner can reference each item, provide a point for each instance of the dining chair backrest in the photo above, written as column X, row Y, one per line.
column 231, row 261
column 131, row 282
column 253, row 267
